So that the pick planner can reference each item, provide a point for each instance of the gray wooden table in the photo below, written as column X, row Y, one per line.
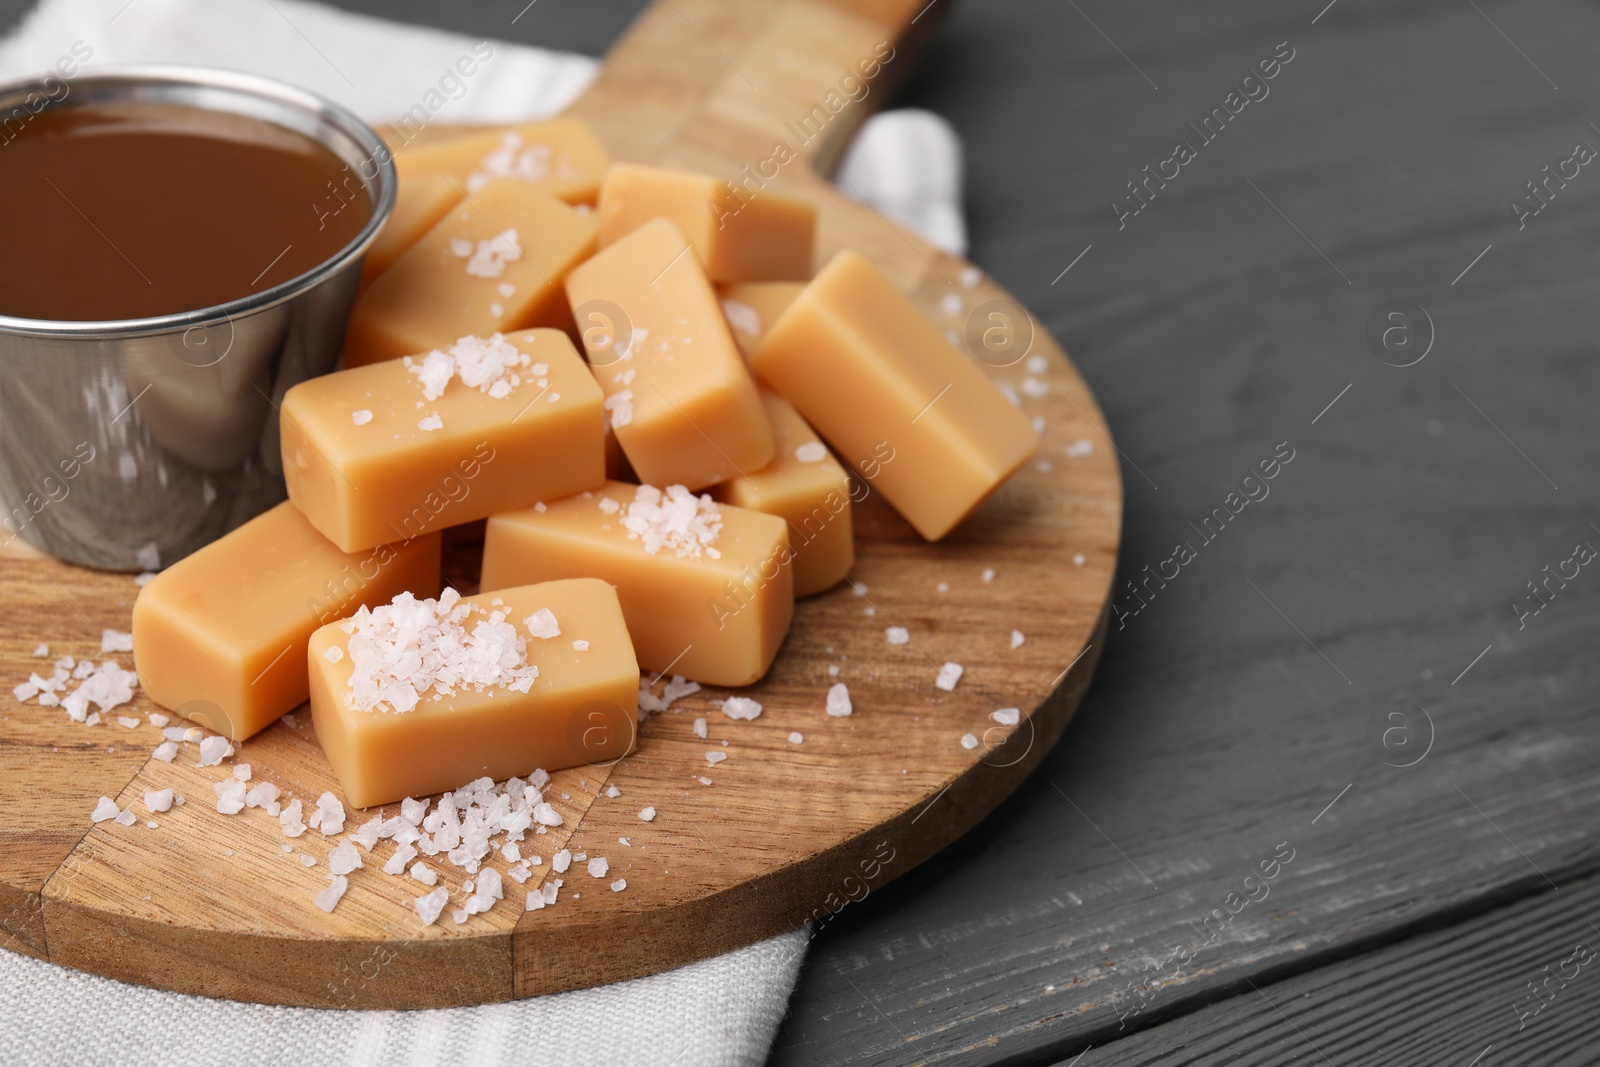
column 1350, row 680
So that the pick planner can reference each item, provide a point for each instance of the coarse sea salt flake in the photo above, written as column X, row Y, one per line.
column 128, row 722
column 165, row 751
column 580, row 646
column 796, row 737
column 105, row 808
column 811, row 452
column 714, row 758
column 157, row 800
column 561, row 861
column 431, row 904
column 115, row 641
column 949, row 675
column 542, row 623
column 969, row 741
column 127, row 818
column 700, row 729
column 344, row 858
column 424, row 874
column 1017, row 638
column 613, row 791
column 333, row 654
column 430, row 422
column 213, row 750
column 648, row 814
column 361, row 418
column 838, row 704
column 619, row 885
column 1006, row 716
column 598, row 867
column 897, row 635
column 741, row 708
column 329, row 897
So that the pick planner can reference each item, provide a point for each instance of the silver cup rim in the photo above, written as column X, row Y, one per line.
column 265, row 90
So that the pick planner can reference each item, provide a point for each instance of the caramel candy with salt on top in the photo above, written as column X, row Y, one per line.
column 756, row 236
column 752, row 307
column 715, row 618
column 683, row 405
column 494, row 263
column 220, row 636
column 388, row 478
column 582, row 707
column 892, row 396
column 419, row 204
column 561, row 157
column 804, row 486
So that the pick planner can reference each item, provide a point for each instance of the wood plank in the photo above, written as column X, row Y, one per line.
column 1396, row 540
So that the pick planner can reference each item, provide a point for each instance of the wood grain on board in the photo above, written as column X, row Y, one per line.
column 783, row 832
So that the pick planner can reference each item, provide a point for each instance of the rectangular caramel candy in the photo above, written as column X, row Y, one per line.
column 393, row 449
column 806, row 488
column 561, row 157
column 892, row 396
column 494, row 263
column 392, row 731
column 220, row 636
column 419, row 204
column 738, row 236
column 683, row 406
column 751, row 307
column 706, row 588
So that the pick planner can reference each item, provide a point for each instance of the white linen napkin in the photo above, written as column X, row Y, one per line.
column 719, row 1011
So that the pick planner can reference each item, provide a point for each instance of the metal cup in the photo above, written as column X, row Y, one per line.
column 128, row 444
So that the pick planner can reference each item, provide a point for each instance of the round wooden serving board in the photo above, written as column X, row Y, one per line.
column 208, row 903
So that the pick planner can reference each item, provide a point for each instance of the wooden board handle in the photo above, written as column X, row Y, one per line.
column 720, row 84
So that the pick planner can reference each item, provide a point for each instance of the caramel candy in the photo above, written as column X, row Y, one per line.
column 493, row 264
column 391, row 731
column 220, row 636
column 806, row 488
column 683, row 406
column 910, row 412
column 752, row 307
column 393, row 449
column 561, row 157
column 418, row 206
column 737, row 235
column 706, row 588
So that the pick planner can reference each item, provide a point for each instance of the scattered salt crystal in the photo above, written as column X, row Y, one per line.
column 811, row 452
column 969, row 741
column 1006, row 716
column 839, row 700
column 165, row 751
column 44, row 650
column 104, row 809
column 620, row 407
column 700, row 729
column 344, row 858
column 157, row 800
column 403, row 650
column 490, row 258
column 367, row 835
column 230, row 796
column 93, row 719
column 329, row 897
column 241, row 771
column 518, row 873
column 157, row 719
column 143, row 578
column 329, row 815
column 289, row 820
column 127, row 818
column 539, row 507
column 742, row 316
column 949, row 675
column 703, row 780
column 598, row 867
column 580, row 646
column 674, row 519
column 715, row 758
column 942, row 587
column 307, row 861
column 535, row 900
column 897, row 635
column 969, row 277
column 1017, row 638
column 424, row 874
column 333, row 654
column 741, row 708
column 430, row 422
column 460, row 247
column 609, row 506
column 361, row 418
column 1078, row 559
column 431, row 904
column 25, row 692
column 833, row 670
column 561, row 861
column 796, row 737
column 1081, row 447
column 988, row 574
column 115, row 641
column 542, row 623
column 613, row 791
column 128, row 722
column 619, row 885
column 648, row 814
column 213, row 750
column 545, row 815
column 511, row 853
column 952, row 304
